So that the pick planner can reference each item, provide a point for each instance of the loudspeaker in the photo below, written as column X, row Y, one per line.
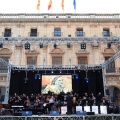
column 17, row 114
column 90, row 113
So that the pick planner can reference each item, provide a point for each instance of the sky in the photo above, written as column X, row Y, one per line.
column 82, row 6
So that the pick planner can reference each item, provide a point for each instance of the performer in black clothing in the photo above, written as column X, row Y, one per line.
column 69, row 104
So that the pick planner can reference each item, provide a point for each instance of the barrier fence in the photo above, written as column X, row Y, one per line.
column 66, row 117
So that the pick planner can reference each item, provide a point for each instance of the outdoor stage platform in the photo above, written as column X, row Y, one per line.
column 63, row 117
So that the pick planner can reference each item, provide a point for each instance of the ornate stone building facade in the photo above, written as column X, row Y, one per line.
column 59, row 40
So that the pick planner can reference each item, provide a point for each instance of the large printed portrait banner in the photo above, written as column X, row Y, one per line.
column 56, row 83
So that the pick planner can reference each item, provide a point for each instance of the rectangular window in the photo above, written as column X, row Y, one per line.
column 111, row 66
column 57, row 61
column 33, row 33
column 82, row 60
column 106, row 32
column 57, row 32
column 79, row 32
column 31, row 60
column 7, row 32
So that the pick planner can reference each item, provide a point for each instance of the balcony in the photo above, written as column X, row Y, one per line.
column 113, row 71
column 33, row 34
column 80, row 33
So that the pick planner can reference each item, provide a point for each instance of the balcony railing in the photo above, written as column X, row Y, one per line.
column 56, row 15
column 113, row 70
column 33, row 34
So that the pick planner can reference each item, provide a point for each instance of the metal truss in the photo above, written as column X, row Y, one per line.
column 60, row 40
column 111, row 59
column 4, row 62
column 61, row 67
column 56, row 67
column 64, row 117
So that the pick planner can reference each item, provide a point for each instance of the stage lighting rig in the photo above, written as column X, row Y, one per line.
column 83, row 46
column 27, row 45
column 55, row 45
column 26, row 78
column 41, row 45
column 68, row 45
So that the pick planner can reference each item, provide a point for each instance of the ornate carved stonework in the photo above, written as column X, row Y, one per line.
column 108, row 52
column 32, row 51
column 113, row 81
column 19, row 46
column 5, row 51
column 57, row 51
column 82, row 52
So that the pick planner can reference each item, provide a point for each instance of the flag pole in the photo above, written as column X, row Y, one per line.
column 51, row 8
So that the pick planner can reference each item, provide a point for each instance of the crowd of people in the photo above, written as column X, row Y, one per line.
column 52, row 101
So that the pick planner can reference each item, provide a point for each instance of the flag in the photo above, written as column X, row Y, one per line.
column 49, row 4
column 38, row 5
column 74, row 3
column 62, row 4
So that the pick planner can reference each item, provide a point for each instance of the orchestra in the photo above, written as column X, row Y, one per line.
column 52, row 101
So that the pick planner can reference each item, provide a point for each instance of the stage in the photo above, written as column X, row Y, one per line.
column 63, row 117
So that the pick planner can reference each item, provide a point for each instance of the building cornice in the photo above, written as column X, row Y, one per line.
column 59, row 17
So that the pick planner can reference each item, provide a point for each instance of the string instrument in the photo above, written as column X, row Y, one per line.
column 27, row 103
column 74, row 100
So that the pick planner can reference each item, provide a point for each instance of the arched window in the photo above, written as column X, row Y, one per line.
column 57, row 31
column 79, row 32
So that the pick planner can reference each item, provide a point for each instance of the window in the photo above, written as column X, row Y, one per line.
column 79, row 32
column 33, row 33
column 111, row 66
column 57, row 32
column 106, row 32
column 7, row 32
column 57, row 61
column 82, row 60
column 31, row 60
column 3, row 68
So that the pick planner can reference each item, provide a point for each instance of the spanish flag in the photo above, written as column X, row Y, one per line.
column 38, row 5
column 62, row 4
column 49, row 4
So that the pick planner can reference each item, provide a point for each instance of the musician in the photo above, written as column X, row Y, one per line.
column 69, row 101
column 36, row 104
column 27, row 103
column 95, row 103
column 99, row 97
column 87, row 103
column 80, row 103
column 51, row 102
column 104, row 103
column 11, row 100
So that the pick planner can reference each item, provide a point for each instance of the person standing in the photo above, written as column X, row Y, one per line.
column 69, row 103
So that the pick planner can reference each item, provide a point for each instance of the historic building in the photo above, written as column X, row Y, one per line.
column 61, row 40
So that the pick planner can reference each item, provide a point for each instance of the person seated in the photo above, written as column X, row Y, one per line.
column 94, row 103
column 87, row 103
column 27, row 103
column 103, row 103
column 36, row 104
column 80, row 103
